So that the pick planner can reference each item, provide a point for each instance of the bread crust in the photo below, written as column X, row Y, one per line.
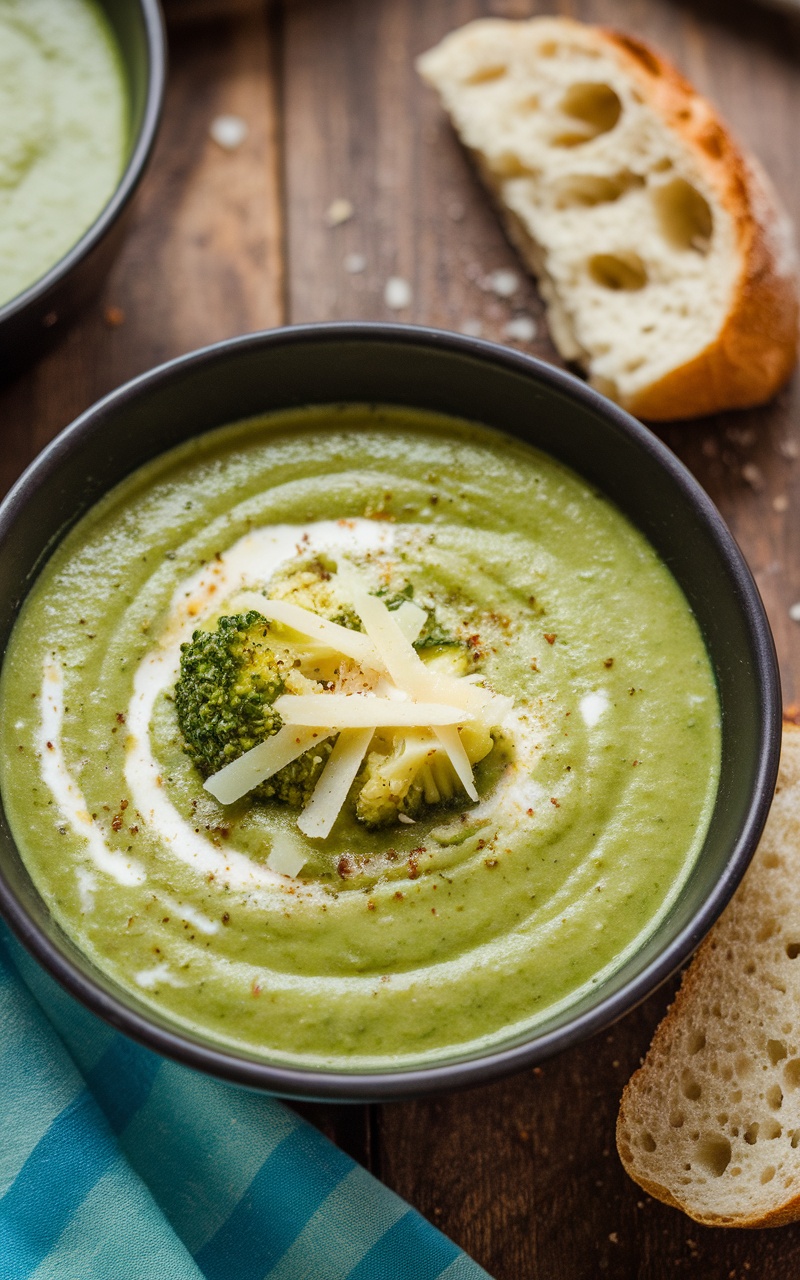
column 665, row 1047
column 756, row 350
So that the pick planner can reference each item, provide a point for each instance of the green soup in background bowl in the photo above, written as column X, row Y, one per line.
column 81, row 84
column 636, row 767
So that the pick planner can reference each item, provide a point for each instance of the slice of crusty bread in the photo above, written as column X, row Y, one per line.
column 664, row 257
column 711, row 1121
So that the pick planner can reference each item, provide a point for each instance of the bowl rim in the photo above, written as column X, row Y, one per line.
column 131, row 176
column 400, row 1082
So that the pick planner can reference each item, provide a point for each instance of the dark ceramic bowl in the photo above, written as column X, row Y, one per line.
column 30, row 321
column 470, row 379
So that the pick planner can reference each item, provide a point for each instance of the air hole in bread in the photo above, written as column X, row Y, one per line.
column 771, row 1129
column 595, row 105
column 684, row 215
column 663, row 165
column 751, row 1134
column 548, row 49
column 768, row 929
column 743, row 1065
column 590, row 189
column 530, row 103
column 768, row 1174
column 714, row 1154
column 793, row 950
column 509, row 165
column 648, row 1142
column 618, row 271
column 750, row 968
column 794, row 1135
column 771, row 861
column 677, row 1119
column 776, row 1051
column 484, row 75
column 689, row 1087
column 695, row 1041
column 774, row 1096
column 791, row 1073
column 722, row 1118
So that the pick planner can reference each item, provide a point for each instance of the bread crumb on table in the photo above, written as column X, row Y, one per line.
column 339, row 211
column 397, row 293
column 229, row 132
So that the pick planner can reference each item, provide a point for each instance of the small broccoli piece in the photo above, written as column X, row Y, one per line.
column 311, row 584
column 295, row 782
column 451, row 657
column 228, row 682
column 229, row 679
column 415, row 772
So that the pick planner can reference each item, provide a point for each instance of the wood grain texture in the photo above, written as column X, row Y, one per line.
column 522, row 1173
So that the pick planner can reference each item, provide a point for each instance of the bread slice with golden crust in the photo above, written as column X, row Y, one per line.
column 710, row 1122
column 664, row 257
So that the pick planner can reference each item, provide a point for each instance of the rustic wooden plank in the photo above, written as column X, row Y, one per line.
column 524, row 1173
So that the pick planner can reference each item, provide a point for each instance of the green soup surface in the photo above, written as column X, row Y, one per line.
column 393, row 947
column 64, row 115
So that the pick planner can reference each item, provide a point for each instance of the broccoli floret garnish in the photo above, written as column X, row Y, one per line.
column 229, row 679
column 413, row 773
column 311, row 584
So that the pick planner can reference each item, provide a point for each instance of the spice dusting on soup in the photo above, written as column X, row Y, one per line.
column 357, row 737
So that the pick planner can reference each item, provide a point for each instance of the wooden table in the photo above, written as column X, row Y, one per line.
column 523, row 1173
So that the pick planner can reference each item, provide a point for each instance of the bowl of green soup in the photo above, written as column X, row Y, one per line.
column 81, row 88
column 381, row 710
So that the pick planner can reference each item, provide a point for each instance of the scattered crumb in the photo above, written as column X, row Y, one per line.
column 794, row 612
column 789, row 449
column 229, row 132
column 472, row 328
column 745, row 437
column 114, row 317
column 50, row 319
column 753, row 476
column 521, row 329
column 355, row 263
column 613, row 1237
column 780, row 503
column 339, row 211
column 403, row 817
column 397, row 293
column 504, row 283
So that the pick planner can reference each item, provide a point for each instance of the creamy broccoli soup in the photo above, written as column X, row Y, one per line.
column 502, row 684
column 63, row 127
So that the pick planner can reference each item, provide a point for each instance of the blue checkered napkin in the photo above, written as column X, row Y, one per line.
column 116, row 1164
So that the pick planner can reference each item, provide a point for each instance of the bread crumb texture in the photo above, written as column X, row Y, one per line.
column 711, row 1121
column 662, row 253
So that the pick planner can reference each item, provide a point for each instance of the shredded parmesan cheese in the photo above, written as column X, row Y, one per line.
column 387, row 687
column 255, row 766
column 328, row 711
column 351, row 643
column 334, row 783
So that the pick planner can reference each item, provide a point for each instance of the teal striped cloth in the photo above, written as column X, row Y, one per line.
column 116, row 1164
